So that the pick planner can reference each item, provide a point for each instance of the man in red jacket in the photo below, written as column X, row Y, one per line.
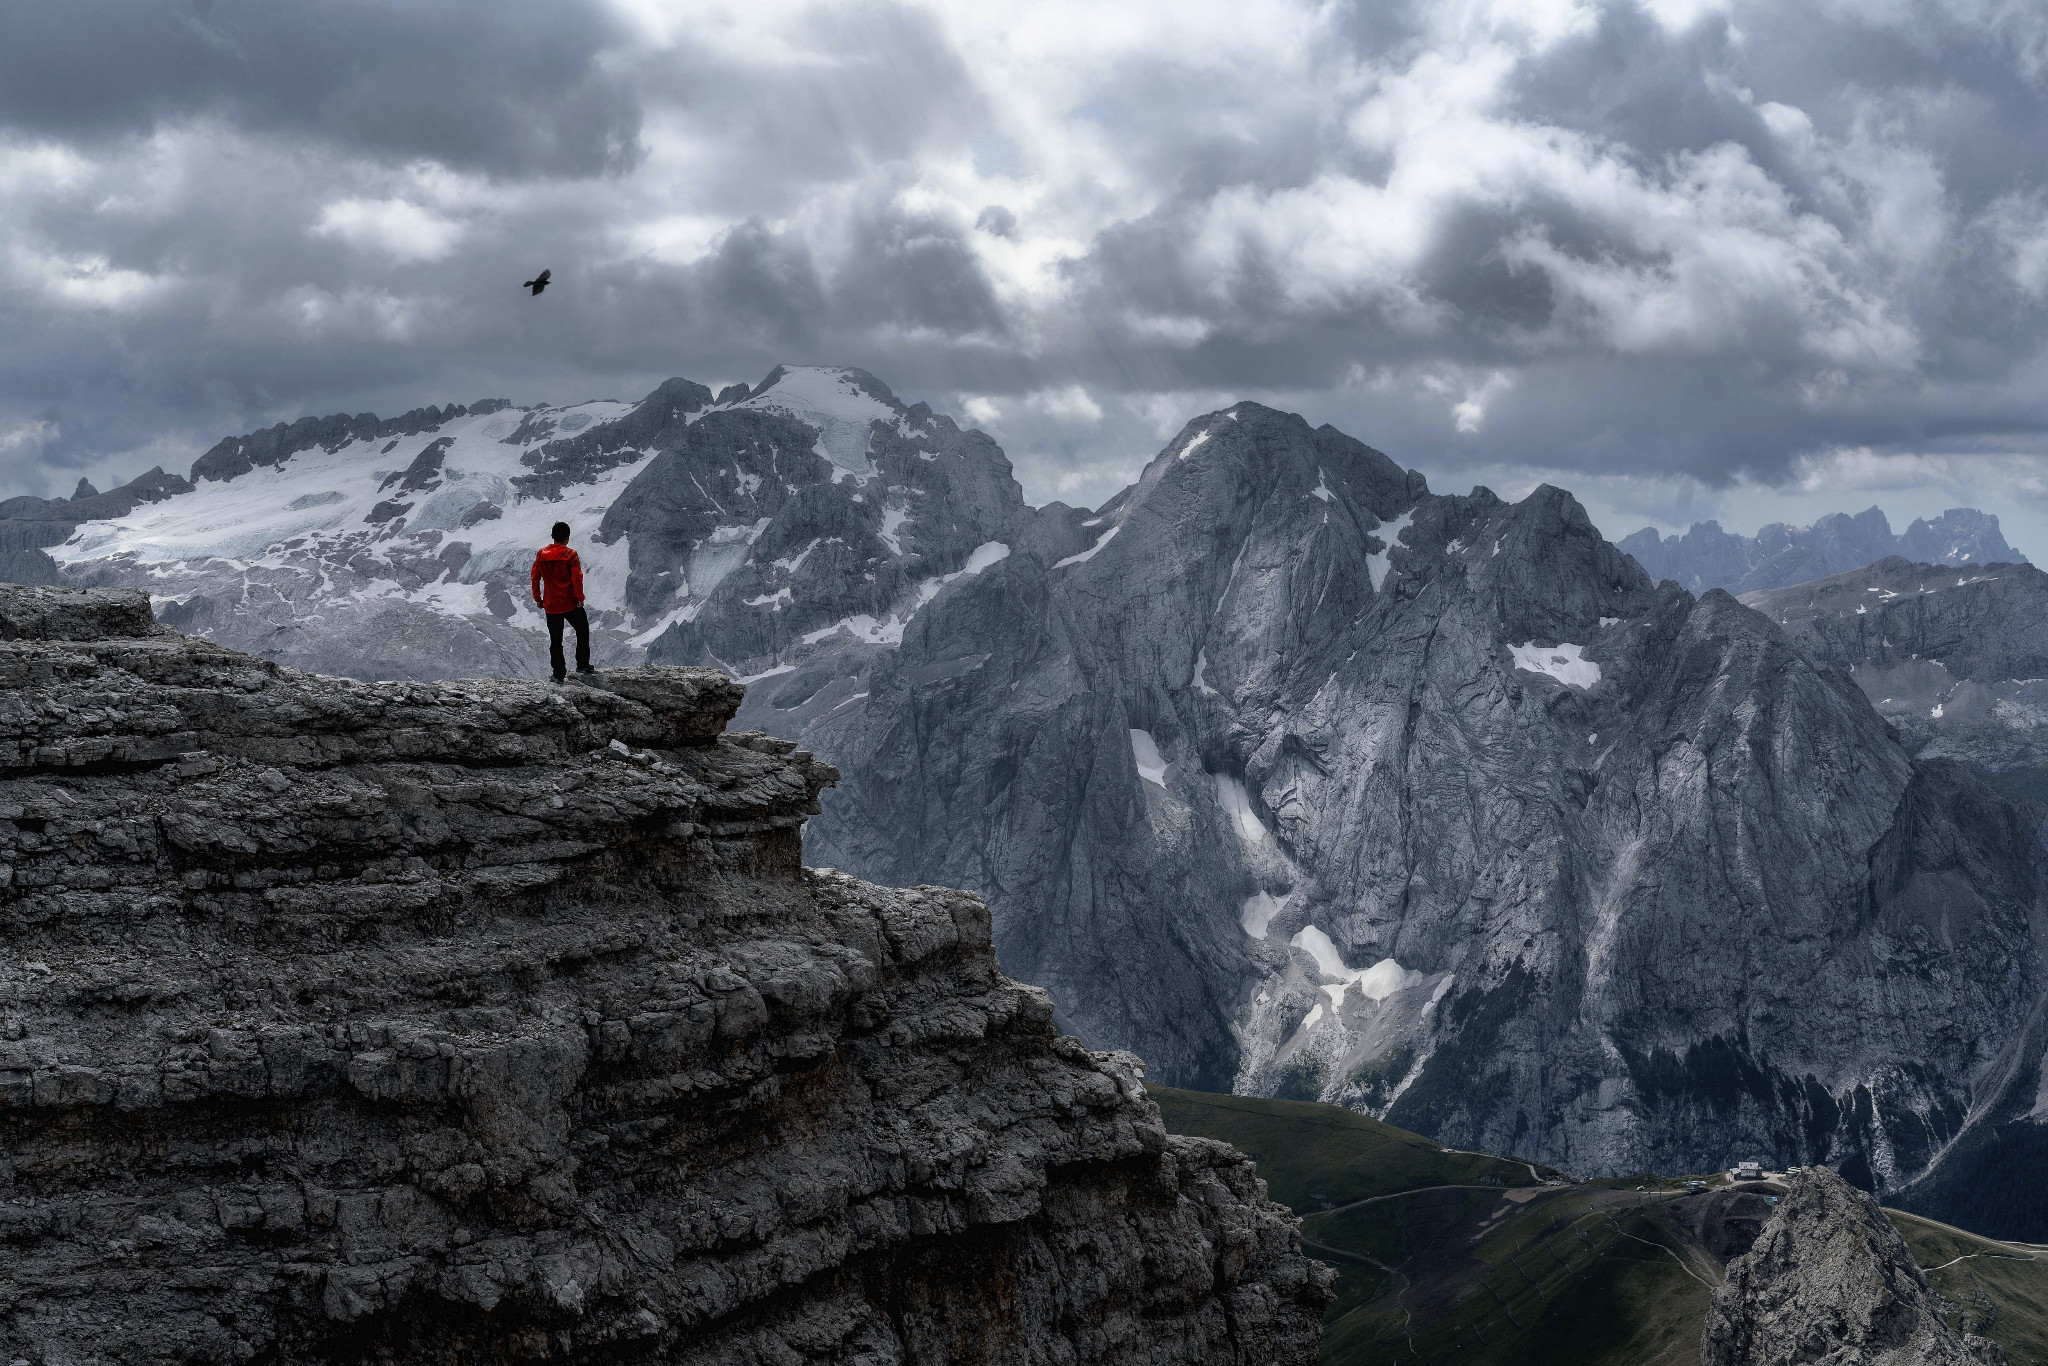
column 558, row 588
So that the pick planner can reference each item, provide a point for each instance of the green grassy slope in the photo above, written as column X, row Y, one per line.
column 1998, row 1289
column 1446, row 1256
column 1314, row 1156
column 1460, row 1257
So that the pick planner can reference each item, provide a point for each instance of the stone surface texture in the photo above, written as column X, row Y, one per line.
column 1830, row 1282
column 492, row 1022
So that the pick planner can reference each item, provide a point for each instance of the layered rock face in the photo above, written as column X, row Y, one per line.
column 1778, row 555
column 1830, row 1280
column 484, row 1022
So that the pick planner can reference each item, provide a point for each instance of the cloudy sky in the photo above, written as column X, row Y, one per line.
column 1687, row 258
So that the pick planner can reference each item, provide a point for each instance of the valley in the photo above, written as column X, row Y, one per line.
column 1460, row 1257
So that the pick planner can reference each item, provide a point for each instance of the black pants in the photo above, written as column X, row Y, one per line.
column 577, row 618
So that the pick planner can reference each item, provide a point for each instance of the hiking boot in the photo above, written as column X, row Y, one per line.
column 560, row 677
column 585, row 669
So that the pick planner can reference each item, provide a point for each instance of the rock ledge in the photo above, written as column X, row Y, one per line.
column 492, row 1022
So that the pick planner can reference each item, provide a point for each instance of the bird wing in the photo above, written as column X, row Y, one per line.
column 542, row 278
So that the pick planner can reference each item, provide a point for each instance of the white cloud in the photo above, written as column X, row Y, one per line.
column 1071, row 402
column 1476, row 233
column 397, row 228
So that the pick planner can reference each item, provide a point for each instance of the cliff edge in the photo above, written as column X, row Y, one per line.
column 1829, row 1280
column 485, row 1022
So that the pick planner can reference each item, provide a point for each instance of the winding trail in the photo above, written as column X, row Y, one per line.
column 1682, row 1264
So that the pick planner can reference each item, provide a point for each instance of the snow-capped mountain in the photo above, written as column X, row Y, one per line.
column 1277, row 768
column 400, row 548
column 1779, row 555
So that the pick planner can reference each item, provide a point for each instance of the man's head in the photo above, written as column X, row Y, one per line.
column 561, row 533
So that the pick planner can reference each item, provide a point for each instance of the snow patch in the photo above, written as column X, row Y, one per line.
column 892, row 521
column 861, row 626
column 985, row 554
column 792, row 564
column 1381, row 563
column 1231, row 578
column 1145, row 751
column 1092, row 551
column 718, row 554
column 1193, row 446
column 1565, row 663
column 890, row 631
column 831, row 401
column 1237, row 809
column 1201, row 672
column 687, row 612
column 1322, row 488
column 1609, row 621
column 1375, row 983
column 1259, row 910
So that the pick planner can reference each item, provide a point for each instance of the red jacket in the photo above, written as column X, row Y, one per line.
column 557, row 579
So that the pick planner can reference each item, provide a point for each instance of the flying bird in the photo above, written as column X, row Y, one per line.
column 537, row 283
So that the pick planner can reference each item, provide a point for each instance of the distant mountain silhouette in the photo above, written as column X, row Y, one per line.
column 1708, row 557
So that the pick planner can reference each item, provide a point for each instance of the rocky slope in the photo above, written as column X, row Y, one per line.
column 483, row 1022
column 1299, row 779
column 1957, row 661
column 1708, row 557
column 1830, row 1280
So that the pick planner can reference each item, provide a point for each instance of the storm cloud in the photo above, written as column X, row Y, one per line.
column 1684, row 257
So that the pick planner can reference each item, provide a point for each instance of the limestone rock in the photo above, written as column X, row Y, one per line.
column 1830, row 1282
column 491, row 1022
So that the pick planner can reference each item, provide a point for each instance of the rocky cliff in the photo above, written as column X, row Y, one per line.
column 1957, row 659
column 490, row 1022
column 1957, row 662
column 1830, row 1280
column 1300, row 779
column 1279, row 769
column 1708, row 557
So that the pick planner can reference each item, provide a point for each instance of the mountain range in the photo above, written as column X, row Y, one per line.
column 1708, row 557
column 1279, row 769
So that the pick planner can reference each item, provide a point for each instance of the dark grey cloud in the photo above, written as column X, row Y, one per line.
column 1678, row 246
column 514, row 87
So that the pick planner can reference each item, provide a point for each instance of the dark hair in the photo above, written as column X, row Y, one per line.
column 561, row 531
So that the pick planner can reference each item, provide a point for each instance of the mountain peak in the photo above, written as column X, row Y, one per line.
column 1779, row 554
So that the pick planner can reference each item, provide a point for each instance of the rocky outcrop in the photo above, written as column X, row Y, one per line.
column 1830, row 1280
column 490, row 1022
column 1707, row 557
